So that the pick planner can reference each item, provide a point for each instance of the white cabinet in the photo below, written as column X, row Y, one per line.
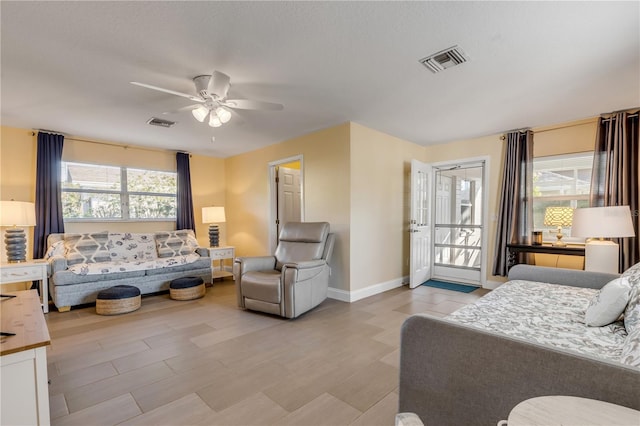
column 221, row 261
column 24, row 397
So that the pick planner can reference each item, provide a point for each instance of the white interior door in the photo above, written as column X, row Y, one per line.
column 420, row 224
column 289, row 195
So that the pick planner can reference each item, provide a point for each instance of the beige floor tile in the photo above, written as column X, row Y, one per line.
column 392, row 359
column 178, row 336
column 109, row 412
column 324, row 410
column 178, row 385
column 151, row 356
column 57, row 406
column 188, row 410
column 257, row 410
column 74, row 363
column 383, row 413
column 102, row 390
column 78, row 378
column 241, row 384
column 367, row 386
column 448, row 307
column 418, row 306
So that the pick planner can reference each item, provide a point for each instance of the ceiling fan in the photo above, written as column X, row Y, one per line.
column 212, row 99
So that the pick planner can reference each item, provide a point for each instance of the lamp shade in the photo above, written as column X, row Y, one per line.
column 603, row 222
column 558, row 216
column 213, row 215
column 17, row 213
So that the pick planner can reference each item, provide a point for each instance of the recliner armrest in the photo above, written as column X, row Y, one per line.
column 258, row 263
column 305, row 264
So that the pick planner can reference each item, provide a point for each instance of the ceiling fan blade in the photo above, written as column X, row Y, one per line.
column 249, row 104
column 185, row 108
column 172, row 92
column 219, row 85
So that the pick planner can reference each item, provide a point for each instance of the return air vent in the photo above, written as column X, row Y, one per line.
column 154, row 121
column 445, row 59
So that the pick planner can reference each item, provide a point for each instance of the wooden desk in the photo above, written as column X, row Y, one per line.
column 571, row 410
column 514, row 249
column 23, row 361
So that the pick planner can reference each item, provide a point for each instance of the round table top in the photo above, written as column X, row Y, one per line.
column 571, row 410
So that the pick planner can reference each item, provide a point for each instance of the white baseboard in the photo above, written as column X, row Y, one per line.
column 353, row 296
column 492, row 285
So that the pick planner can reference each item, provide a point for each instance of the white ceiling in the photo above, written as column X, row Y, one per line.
column 66, row 67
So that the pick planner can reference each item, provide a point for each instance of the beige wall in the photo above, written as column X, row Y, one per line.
column 558, row 139
column 326, row 193
column 380, row 164
column 18, row 174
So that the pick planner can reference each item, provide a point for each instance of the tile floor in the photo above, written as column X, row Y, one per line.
column 206, row 362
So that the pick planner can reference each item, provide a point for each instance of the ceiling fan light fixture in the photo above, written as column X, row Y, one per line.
column 200, row 113
column 223, row 114
column 214, row 121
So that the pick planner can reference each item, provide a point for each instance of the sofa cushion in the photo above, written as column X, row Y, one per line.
column 177, row 264
column 86, row 248
column 69, row 278
column 176, row 243
column 129, row 247
column 609, row 303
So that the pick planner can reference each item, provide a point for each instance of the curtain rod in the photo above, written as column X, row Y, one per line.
column 71, row 138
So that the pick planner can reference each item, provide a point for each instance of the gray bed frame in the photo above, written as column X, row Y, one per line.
column 452, row 374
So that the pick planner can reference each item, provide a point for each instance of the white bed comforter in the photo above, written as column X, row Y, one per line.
column 548, row 314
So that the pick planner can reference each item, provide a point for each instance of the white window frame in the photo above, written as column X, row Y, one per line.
column 123, row 193
column 548, row 234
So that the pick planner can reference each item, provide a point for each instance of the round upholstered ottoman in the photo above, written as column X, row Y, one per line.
column 187, row 288
column 118, row 300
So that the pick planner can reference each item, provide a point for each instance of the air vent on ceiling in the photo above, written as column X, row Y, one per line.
column 154, row 121
column 445, row 59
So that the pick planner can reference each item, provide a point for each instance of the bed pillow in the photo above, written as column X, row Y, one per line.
column 609, row 303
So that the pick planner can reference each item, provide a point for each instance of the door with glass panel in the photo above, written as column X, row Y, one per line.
column 459, row 222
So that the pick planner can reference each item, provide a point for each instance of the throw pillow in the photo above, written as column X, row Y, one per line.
column 56, row 249
column 86, row 248
column 609, row 303
column 176, row 243
column 631, row 349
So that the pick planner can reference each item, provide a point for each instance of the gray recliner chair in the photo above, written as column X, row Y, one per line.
column 295, row 279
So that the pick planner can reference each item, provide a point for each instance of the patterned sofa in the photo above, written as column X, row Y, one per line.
column 527, row 338
column 81, row 265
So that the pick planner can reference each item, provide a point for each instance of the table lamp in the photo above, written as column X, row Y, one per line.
column 602, row 255
column 558, row 216
column 213, row 216
column 16, row 214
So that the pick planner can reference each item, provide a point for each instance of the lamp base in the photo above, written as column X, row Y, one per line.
column 601, row 256
column 15, row 241
column 559, row 242
column 214, row 236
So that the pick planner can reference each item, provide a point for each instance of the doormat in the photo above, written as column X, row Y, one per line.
column 450, row 286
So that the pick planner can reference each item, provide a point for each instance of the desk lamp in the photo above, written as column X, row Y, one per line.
column 558, row 216
column 213, row 216
column 16, row 214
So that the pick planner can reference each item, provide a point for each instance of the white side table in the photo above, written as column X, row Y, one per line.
column 27, row 271
column 218, row 257
column 571, row 410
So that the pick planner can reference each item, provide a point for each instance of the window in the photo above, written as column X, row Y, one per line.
column 560, row 180
column 91, row 191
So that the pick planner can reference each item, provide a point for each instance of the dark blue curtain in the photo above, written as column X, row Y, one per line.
column 185, row 200
column 48, row 189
